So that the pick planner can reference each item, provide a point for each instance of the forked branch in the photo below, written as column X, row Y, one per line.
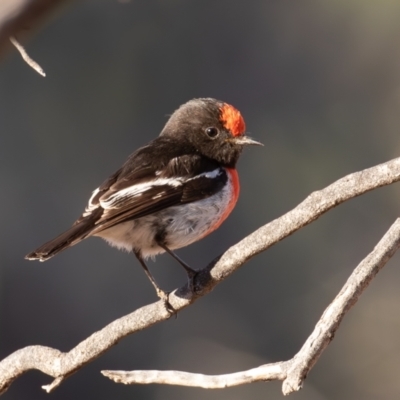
column 294, row 371
column 61, row 365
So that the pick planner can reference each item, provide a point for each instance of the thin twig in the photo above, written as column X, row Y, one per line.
column 61, row 365
column 276, row 371
column 294, row 371
column 32, row 63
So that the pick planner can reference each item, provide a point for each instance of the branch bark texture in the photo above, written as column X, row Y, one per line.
column 61, row 365
column 294, row 371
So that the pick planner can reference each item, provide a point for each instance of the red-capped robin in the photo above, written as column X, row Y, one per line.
column 170, row 193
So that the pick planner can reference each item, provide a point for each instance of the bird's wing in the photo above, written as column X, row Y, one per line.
column 145, row 191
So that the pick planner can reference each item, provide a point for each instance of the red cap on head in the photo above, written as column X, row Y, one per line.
column 232, row 120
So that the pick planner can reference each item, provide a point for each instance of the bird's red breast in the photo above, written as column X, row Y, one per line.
column 234, row 195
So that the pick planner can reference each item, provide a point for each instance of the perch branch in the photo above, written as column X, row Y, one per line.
column 61, row 365
column 294, row 371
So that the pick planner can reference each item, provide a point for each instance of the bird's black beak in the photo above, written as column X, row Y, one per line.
column 245, row 140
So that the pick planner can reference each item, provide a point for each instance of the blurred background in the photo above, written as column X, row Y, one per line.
column 317, row 82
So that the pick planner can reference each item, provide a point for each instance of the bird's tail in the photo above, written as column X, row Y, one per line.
column 79, row 231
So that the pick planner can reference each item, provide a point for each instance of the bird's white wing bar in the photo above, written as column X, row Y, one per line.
column 210, row 174
column 114, row 201
column 130, row 193
column 90, row 207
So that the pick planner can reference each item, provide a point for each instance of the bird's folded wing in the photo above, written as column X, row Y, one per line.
column 156, row 194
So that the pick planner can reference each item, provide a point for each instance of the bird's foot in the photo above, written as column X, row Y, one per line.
column 164, row 296
column 191, row 274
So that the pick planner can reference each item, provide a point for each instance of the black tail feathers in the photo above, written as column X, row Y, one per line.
column 72, row 236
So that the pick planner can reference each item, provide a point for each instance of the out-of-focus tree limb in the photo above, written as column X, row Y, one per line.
column 25, row 56
column 60, row 365
column 24, row 16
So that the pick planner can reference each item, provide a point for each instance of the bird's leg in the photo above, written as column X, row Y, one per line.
column 190, row 271
column 160, row 293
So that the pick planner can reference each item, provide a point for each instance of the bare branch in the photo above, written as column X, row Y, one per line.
column 328, row 324
column 32, row 63
column 60, row 365
column 265, row 372
column 294, row 371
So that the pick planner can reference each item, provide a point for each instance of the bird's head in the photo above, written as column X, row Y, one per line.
column 210, row 127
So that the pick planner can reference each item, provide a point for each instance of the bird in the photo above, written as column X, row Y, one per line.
column 172, row 192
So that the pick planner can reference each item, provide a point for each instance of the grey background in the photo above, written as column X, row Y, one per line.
column 317, row 82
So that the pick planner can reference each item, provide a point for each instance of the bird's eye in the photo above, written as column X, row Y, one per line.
column 212, row 132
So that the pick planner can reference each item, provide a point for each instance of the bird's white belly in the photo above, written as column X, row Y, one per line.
column 180, row 225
